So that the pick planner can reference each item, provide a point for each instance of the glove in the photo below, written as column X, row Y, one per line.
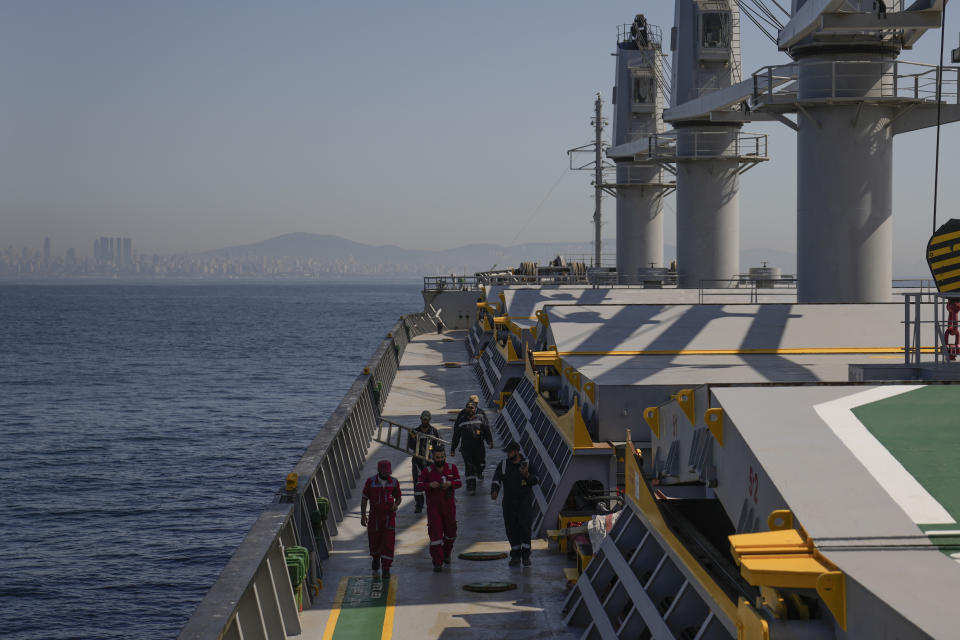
column 363, row 521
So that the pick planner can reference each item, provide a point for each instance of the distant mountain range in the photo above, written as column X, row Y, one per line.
column 468, row 258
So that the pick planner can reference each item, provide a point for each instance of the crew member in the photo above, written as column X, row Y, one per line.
column 514, row 475
column 382, row 491
column 488, row 435
column 439, row 481
column 470, row 433
column 421, row 457
column 463, row 416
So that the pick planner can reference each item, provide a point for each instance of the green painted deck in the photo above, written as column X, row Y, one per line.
column 363, row 603
column 921, row 428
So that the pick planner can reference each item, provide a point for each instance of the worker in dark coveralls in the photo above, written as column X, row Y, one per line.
column 382, row 491
column 488, row 436
column 439, row 481
column 470, row 433
column 513, row 474
column 421, row 457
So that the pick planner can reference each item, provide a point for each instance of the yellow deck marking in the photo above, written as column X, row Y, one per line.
column 388, row 614
column 335, row 610
column 737, row 352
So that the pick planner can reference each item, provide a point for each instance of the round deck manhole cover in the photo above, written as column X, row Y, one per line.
column 489, row 587
column 483, row 555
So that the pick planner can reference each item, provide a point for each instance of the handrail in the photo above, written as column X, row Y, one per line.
column 253, row 590
column 914, row 324
column 742, row 285
column 857, row 79
column 451, row 283
column 693, row 145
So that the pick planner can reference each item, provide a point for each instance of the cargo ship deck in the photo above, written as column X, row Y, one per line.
column 419, row 603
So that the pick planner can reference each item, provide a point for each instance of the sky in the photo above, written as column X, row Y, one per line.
column 192, row 125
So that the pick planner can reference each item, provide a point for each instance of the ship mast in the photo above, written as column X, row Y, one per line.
column 598, row 165
column 597, row 176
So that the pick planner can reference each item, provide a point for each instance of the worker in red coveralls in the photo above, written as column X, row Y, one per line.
column 382, row 491
column 439, row 481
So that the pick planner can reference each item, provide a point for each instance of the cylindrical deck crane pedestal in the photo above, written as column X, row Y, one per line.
column 708, row 221
column 844, row 178
column 639, row 220
column 706, row 59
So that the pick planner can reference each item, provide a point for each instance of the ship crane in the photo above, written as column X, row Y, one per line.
column 849, row 94
column 852, row 96
column 642, row 86
column 706, row 154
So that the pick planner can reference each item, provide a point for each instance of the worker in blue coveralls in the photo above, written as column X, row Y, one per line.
column 469, row 433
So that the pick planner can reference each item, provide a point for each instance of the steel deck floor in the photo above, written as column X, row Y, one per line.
column 430, row 605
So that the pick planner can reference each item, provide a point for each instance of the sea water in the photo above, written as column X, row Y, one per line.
column 143, row 429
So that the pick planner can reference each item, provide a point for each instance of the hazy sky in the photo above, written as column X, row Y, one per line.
column 200, row 124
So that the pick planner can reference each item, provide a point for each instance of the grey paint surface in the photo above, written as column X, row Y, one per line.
column 708, row 199
column 732, row 326
column 844, row 204
column 639, row 225
column 834, row 496
column 708, row 219
column 526, row 301
column 458, row 309
column 640, row 205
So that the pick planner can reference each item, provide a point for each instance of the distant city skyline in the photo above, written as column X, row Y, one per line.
column 321, row 256
column 193, row 126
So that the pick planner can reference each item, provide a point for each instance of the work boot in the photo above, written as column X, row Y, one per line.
column 375, row 565
column 446, row 558
column 385, row 574
column 437, row 568
column 514, row 559
column 525, row 554
column 418, row 509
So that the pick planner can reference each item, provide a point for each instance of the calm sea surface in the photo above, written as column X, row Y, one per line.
column 143, row 429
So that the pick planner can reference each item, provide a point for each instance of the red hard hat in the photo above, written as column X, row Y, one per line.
column 384, row 467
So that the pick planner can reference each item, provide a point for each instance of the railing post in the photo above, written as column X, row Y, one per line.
column 906, row 328
column 918, row 345
column 770, row 83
